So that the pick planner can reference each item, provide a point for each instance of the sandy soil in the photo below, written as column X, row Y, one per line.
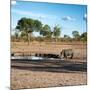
column 37, row 74
column 29, row 79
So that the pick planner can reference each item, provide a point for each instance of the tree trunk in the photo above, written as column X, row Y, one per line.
column 29, row 38
column 55, row 39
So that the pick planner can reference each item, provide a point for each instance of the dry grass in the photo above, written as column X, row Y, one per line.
column 36, row 47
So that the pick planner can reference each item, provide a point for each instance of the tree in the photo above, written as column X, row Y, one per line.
column 84, row 36
column 67, row 38
column 23, row 36
column 56, row 32
column 28, row 25
column 46, row 31
column 16, row 35
column 76, row 35
column 37, row 25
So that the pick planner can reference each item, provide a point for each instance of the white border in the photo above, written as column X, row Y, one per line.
column 83, row 2
column 5, row 44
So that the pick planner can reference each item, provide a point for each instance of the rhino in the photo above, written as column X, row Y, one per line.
column 67, row 53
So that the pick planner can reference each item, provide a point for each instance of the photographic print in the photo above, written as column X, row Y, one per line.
column 48, row 45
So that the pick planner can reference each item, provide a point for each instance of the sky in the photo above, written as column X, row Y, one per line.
column 69, row 17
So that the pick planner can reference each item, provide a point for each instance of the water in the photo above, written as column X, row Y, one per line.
column 27, row 57
column 36, row 58
column 32, row 58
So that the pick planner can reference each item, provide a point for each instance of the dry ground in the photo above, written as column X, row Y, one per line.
column 36, row 74
column 48, row 73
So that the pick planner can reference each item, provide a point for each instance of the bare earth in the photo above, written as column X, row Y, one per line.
column 48, row 73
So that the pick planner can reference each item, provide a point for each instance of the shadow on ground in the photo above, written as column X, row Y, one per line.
column 60, row 66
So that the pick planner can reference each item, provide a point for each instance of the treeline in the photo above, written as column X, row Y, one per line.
column 26, row 26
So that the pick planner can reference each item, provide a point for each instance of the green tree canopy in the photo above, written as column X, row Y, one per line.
column 76, row 35
column 28, row 25
column 46, row 30
column 37, row 25
column 56, row 32
column 66, row 36
column 84, row 36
